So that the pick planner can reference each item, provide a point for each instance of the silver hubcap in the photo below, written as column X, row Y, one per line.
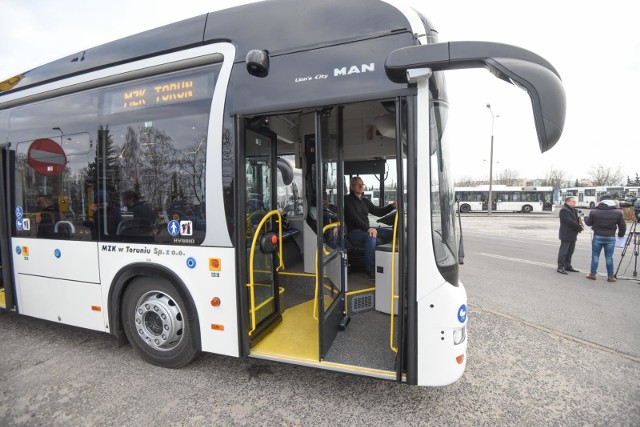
column 159, row 321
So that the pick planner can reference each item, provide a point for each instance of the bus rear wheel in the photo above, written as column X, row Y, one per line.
column 156, row 323
column 527, row 209
column 465, row 208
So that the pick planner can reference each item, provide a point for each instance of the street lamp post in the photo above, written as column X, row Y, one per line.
column 490, row 201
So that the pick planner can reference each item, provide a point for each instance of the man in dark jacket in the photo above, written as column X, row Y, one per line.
column 604, row 220
column 570, row 226
column 356, row 217
column 139, row 208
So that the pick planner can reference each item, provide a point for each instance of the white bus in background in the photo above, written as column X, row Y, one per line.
column 586, row 197
column 373, row 195
column 198, row 118
column 505, row 199
column 589, row 197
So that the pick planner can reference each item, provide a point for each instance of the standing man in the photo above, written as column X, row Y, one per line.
column 604, row 220
column 356, row 216
column 570, row 226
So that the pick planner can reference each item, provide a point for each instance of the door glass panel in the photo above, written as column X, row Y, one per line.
column 331, row 231
column 258, row 170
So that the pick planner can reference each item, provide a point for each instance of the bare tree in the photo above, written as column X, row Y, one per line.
column 601, row 175
column 509, row 177
column 555, row 178
column 467, row 181
column 192, row 168
column 635, row 181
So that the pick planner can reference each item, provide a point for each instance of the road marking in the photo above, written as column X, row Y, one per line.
column 556, row 333
column 582, row 243
column 525, row 261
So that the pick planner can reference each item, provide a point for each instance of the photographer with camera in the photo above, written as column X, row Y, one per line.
column 604, row 220
column 570, row 226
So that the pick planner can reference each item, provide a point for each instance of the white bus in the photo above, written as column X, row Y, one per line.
column 194, row 122
column 586, row 197
column 589, row 197
column 505, row 199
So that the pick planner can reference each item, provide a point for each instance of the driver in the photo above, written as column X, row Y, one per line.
column 356, row 217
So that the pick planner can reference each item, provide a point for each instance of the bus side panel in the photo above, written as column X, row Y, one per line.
column 439, row 314
column 62, row 259
column 206, row 272
column 41, row 290
column 63, row 301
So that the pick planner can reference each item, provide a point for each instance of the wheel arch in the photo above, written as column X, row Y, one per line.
column 126, row 276
column 526, row 208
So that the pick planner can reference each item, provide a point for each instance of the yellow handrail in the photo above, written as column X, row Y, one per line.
column 315, row 299
column 251, row 283
column 393, row 283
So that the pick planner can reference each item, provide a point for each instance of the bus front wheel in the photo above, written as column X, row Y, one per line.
column 465, row 208
column 156, row 323
column 527, row 209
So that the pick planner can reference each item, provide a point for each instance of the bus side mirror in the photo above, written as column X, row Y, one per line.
column 286, row 170
column 512, row 64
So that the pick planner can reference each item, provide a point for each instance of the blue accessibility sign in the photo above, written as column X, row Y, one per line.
column 462, row 313
column 173, row 227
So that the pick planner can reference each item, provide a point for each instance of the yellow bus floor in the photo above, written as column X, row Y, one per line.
column 295, row 336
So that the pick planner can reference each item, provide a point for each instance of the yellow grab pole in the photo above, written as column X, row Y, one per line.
column 251, row 284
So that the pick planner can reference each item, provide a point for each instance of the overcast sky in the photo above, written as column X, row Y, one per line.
column 594, row 45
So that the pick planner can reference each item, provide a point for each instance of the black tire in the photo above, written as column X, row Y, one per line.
column 156, row 322
column 465, row 208
column 527, row 209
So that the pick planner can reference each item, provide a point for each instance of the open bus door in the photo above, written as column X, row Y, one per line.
column 312, row 320
column 329, row 191
column 262, row 230
column 327, row 312
column 6, row 288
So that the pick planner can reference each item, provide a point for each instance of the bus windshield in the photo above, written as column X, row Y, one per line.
column 442, row 195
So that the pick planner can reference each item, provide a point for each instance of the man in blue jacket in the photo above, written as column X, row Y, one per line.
column 570, row 226
column 604, row 220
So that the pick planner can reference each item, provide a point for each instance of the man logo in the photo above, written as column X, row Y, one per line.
column 354, row 69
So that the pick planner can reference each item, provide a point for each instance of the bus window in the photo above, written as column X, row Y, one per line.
column 54, row 155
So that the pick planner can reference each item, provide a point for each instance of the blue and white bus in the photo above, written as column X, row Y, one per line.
column 142, row 186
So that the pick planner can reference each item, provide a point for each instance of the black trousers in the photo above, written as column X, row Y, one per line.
column 566, row 252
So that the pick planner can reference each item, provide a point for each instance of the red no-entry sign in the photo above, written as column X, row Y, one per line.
column 46, row 156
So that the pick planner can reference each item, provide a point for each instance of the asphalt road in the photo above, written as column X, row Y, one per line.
column 544, row 349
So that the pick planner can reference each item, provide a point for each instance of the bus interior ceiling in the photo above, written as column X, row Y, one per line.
column 369, row 134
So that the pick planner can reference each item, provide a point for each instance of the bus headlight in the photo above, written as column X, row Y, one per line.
column 459, row 335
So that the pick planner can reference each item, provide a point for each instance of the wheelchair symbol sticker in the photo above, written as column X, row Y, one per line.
column 462, row 313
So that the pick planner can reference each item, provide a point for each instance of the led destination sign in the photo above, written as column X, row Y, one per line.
column 158, row 93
